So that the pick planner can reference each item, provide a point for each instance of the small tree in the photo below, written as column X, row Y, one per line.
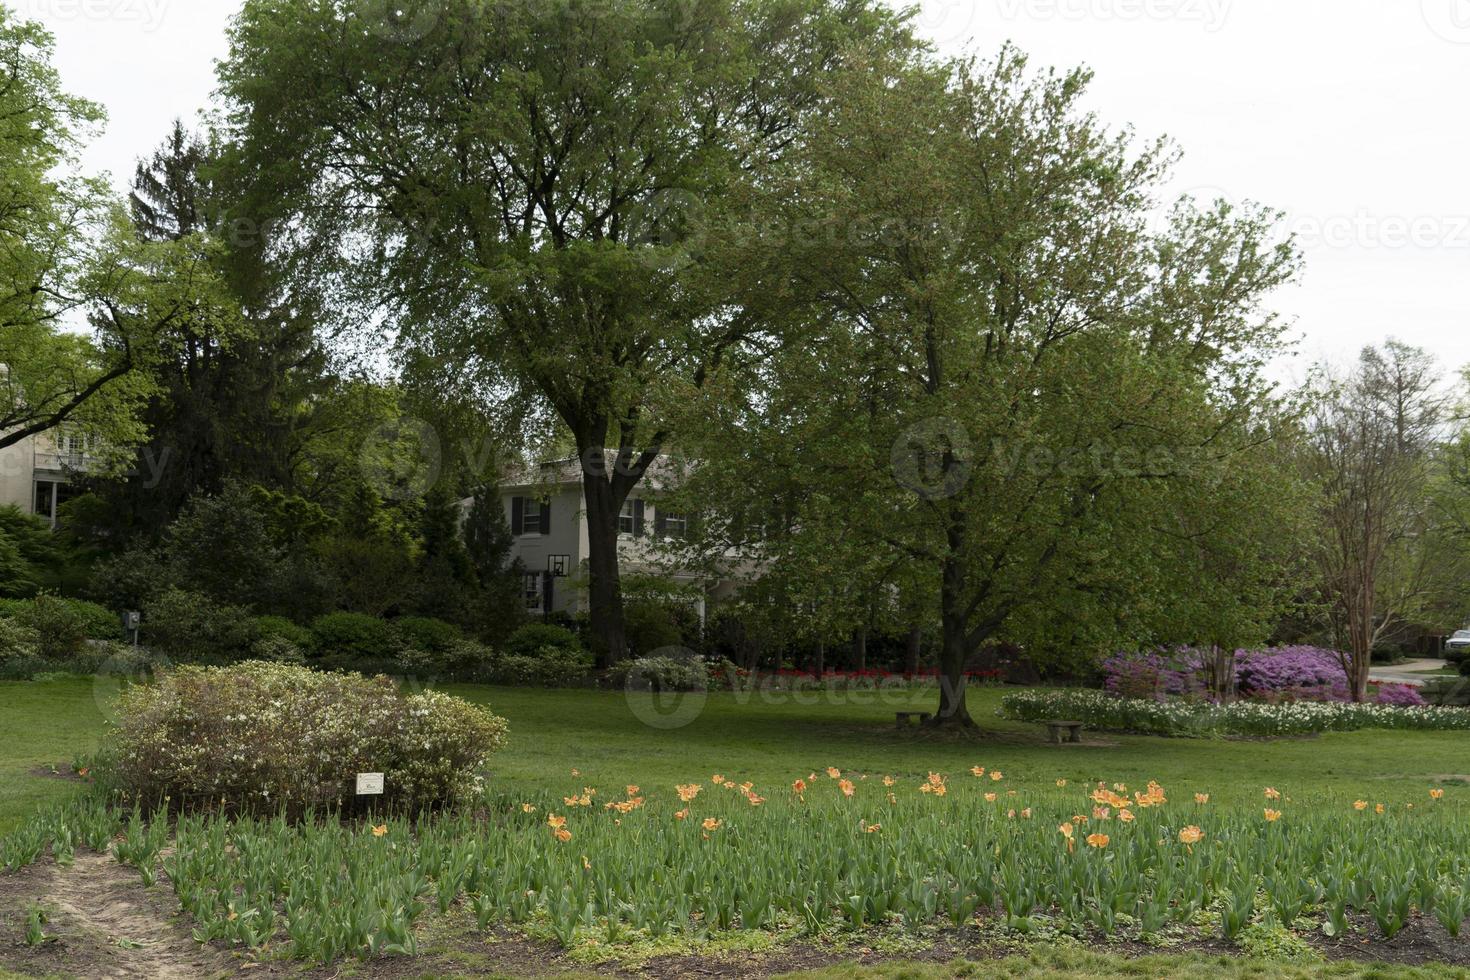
column 1370, row 446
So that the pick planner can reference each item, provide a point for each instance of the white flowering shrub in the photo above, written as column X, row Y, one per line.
column 1100, row 710
column 267, row 737
column 663, row 674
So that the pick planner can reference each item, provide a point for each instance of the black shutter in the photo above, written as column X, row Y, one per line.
column 637, row 518
column 517, row 516
column 660, row 524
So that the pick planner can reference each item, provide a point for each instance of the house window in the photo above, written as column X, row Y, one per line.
column 672, row 525
column 531, row 590
column 630, row 519
column 530, row 516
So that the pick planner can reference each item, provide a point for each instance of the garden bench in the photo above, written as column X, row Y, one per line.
column 901, row 718
column 1055, row 729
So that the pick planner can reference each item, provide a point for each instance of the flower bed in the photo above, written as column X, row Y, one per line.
column 1202, row 719
column 830, row 853
column 1293, row 673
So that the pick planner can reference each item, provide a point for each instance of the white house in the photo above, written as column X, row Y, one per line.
column 35, row 473
column 547, row 515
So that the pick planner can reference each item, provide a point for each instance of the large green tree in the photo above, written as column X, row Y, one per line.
column 532, row 190
column 69, row 261
column 995, row 371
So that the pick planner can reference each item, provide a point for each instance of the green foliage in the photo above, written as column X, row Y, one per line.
column 279, row 626
column 28, row 548
column 190, row 627
column 604, row 868
column 269, row 738
column 651, row 626
column 433, row 636
column 65, row 625
column 534, row 638
column 687, row 114
column 70, row 255
column 1010, row 467
column 20, row 649
column 372, row 575
column 662, row 674
column 223, row 546
column 549, row 666
column 344, row 637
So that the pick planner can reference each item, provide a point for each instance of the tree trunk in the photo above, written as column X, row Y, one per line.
column 954, row 651
column 912, row 649
column 604, row 582
column 821, row 658
column 1360, row 642
column 860, row 648
column 1222, row 673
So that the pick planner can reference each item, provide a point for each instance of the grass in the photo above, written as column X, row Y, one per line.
column 604, row 735
column 47, row 723
column 1073, row 964
column 599, row 733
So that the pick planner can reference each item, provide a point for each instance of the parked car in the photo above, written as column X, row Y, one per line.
column 1457, row 647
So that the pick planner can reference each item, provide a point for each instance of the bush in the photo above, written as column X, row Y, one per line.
column 534, row 638
column 1098, row 710
column 65, row 625
column 663, row 674
column 1296, row 673
column 279, row 627
column 1404, row 695
column 354, row 636
column 277, row 649
column 427, row 635
column 264, row 738
column 192, row 628
column 651, row 626
column 20, row 650
column 550, row 667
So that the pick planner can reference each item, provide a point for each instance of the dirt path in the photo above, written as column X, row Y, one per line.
column 108, row 925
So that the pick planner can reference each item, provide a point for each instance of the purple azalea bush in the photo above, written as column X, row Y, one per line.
column 1275, row 674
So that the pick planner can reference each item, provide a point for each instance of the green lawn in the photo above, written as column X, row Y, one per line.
column 41, row 725
column 598, row 733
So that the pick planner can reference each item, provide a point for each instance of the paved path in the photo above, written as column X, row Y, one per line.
column 1408, row 672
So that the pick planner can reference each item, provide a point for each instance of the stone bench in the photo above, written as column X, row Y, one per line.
column 1056, row 729
column 901, row 718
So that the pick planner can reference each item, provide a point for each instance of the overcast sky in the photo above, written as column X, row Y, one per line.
column 1350, row 115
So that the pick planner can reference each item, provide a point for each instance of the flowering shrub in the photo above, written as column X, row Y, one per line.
column 268, row 737
column 1297, row 672
column 1155, row 674
column 1097, row 709
column 663, row 674
column 1406, row 695
column 548, row 667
